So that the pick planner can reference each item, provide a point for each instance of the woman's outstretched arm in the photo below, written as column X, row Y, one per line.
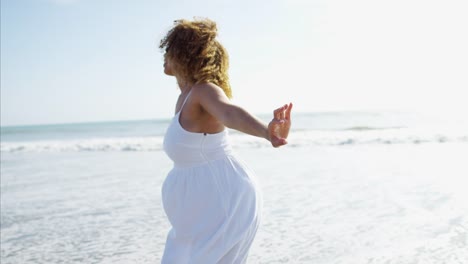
column 215, row 102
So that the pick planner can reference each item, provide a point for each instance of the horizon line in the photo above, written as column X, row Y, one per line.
column 264, row 114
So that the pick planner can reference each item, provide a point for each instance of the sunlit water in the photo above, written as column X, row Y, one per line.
column 343, row 192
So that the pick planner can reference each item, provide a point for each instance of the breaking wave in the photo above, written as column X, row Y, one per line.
column 355, row 136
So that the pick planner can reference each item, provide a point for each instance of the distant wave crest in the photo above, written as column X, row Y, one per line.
column 365, row 128
column 296, row 139
column 99, row 145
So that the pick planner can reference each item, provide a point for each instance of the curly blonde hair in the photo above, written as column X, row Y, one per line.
column 196, row 54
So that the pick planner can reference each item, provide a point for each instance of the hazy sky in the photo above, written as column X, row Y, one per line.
column 66, row 61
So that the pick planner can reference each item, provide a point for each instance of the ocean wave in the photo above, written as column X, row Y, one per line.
column 84, row 145
column 296, row 139
column 363, row 137
column 366, row 128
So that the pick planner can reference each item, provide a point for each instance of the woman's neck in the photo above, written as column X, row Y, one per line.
column 184, row 86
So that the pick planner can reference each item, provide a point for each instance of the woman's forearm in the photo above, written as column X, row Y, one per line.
column 239, row 119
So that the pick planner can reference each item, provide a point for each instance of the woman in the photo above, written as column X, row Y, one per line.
column 210, row 197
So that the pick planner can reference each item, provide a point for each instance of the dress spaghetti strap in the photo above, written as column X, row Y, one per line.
column 185, row 100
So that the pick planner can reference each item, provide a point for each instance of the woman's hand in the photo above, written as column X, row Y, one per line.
column 279, row 126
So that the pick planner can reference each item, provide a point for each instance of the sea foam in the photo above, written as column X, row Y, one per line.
column 296, row 139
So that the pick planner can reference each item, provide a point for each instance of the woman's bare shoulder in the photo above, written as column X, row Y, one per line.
column 204, row 89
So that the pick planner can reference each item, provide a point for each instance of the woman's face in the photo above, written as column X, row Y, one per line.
column 168, row 68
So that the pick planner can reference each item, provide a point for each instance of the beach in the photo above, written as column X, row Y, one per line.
column 348, row 194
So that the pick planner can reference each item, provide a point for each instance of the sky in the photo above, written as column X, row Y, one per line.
column 70, row 61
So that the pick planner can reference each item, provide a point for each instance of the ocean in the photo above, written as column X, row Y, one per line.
column 350, row 187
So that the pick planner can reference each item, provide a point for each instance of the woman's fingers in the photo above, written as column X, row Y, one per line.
column 277, row 141
column 288, row 111
column 279, row 126
column 276, row 114
column 283, row 112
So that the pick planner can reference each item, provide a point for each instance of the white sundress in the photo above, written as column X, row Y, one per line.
column 210, row 199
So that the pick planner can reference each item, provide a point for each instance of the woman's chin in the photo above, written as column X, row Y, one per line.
column 168, row 72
